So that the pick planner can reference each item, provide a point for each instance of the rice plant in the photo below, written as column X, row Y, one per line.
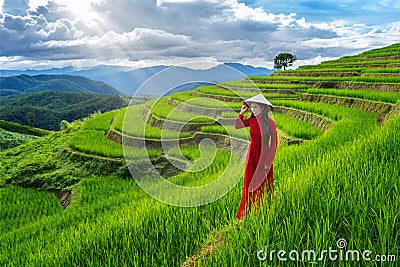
column 9, row 139
column 134, row 125
column 162, row 110
column 226, row 130
column 295, row 127
column 95, row 142
column 241, row 84
column 371, row 79
column 100, row 121
column 225, row 92
column 342, row 184
column 19, row 207
column 320, row 204
column 389, row 97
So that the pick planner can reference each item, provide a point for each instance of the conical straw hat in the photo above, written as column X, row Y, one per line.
column 258, row 99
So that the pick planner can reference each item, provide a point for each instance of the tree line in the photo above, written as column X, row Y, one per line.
column 55, row 107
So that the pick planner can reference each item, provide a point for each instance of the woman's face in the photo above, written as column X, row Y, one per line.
column 256, row 108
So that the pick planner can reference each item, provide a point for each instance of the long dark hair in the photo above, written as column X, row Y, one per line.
column 265, row 123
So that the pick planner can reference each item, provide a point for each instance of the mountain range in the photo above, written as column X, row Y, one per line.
column 128, row 82
column 25, row 84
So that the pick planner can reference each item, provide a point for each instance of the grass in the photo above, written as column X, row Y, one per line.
column 226, row 130
column 350, row 125
column 206, row 102
column 110, row 222
column 33, row 164
column 9, row 139
column 133, row 125
column 214, row 90
column 42, row 164
column 19, row 207
column 359, row 70
column 100, row 122
column 22, row 129
column 326, row 110
column 355, row 63
column 241, row 84
column 92, row 139
column 354, row 199
column 186, row 152
column 96, row 143
column 47, row 163
column 163, row 110
column 207, row 166
column 296, row 128
column 381, row 70
column 230, row 115
column 183, row 96
column 322, row 70
column 369, row 79
column 388, row 97
column 112, row 218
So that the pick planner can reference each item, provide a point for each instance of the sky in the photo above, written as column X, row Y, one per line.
column 41, row 34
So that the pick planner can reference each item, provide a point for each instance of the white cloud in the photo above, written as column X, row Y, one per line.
column 149, row 31
column 311, row 61
column 356, row 42
column 141, row 39
column 234, row 11
column 390, row 3
column 80, row 8
column 33, row 4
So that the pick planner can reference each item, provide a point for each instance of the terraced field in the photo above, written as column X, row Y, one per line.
column 14, row 134
column 337, row 174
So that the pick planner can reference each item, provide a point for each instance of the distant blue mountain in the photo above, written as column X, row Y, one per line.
column 7, row 73
column 249, row 70
column 129, row 81
column 26, row 84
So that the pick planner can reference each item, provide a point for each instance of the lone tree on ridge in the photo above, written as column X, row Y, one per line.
column 284, row 60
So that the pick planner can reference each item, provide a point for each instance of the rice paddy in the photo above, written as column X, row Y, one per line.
column 338, row 184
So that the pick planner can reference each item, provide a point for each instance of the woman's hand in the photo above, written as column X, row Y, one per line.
column 244, row 109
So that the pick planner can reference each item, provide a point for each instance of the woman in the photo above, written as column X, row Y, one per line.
column 258, row 175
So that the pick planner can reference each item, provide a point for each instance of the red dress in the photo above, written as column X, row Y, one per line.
column 259, row 155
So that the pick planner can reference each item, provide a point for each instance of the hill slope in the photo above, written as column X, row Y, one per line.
column 47, row 109
column 10, row 139
column 24, row 84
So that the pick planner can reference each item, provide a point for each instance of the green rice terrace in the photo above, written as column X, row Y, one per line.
column 68, row 199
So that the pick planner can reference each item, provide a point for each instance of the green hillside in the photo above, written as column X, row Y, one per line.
column 47, row 109
column 22, row 129
column 25, row 84
column 336, row 174
column 9, row 139
column 13, row 134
